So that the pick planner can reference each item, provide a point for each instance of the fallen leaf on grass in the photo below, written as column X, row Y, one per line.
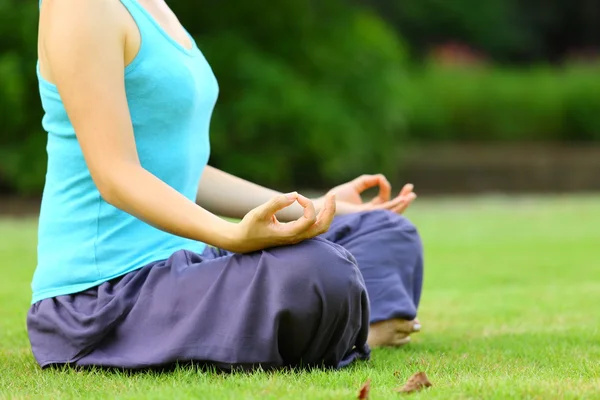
column 415, row 383
column 363, row 393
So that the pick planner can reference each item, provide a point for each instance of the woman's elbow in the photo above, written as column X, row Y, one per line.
column 116, row 182
column 108, row 192
column 108, row 185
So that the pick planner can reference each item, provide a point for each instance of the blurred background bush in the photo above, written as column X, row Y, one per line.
column 316, row 92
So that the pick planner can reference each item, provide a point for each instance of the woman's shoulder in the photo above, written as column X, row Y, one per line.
column 69, row 29
column 78, row 36
column 85, row 17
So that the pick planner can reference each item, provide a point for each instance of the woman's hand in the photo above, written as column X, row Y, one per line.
column 349, row 197
column 260, row 229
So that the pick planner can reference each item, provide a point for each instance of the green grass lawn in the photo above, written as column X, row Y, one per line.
column 511, row 309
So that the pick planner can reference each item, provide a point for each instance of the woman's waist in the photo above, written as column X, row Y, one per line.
column 72, row 259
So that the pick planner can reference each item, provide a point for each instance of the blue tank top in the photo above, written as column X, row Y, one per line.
column 84, row 241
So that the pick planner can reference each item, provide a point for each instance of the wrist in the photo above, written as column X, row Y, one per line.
column 344, row 208
column 226, row 235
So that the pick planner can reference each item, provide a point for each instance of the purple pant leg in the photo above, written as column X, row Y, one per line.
column 290, row 306
column 302, row 305
column 389, row 253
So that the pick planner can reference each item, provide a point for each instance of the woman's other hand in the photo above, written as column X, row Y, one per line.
column 349, row 197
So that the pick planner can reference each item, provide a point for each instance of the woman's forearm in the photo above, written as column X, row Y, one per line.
column 227, row 195
column 141, row 194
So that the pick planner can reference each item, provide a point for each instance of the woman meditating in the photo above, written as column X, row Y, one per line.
column 136, row 267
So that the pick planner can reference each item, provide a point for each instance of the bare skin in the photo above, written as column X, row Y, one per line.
column 83, row 47
column 219, row 193
column 392, row 332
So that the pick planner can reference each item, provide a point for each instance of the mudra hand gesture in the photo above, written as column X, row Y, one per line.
column 348, row 195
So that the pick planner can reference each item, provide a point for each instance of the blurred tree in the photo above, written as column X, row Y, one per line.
column 509, row 31
column 491, row 26
column 314, row 92
column 22, row 144
column 561, row 27
column 311, row 91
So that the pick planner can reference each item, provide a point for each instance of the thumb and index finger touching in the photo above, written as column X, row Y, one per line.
column 309, row 218
column 310, row 223
column 277, row 203
column 365, row 182
column 383, row 199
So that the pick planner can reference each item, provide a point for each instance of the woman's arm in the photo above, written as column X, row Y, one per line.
column 230, row 196
column 227, row 195
column 83, row 46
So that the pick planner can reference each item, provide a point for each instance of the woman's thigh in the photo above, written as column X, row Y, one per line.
column 285, row 306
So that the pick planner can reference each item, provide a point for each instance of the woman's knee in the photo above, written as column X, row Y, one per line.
column 388, row 218
column 324, row 300
column 322, row 265
column 318, row 279
column 397, row 228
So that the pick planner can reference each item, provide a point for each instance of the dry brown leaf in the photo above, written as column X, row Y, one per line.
column 415, row 383
column 363, row 393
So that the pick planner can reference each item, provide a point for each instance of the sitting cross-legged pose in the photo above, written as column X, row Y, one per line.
column 136, row 266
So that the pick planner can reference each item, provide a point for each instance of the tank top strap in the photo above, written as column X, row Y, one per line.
column 139, row 15
column 152, row 31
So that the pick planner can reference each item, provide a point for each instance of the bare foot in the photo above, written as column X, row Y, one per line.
column 416, row 325
column 392, row 332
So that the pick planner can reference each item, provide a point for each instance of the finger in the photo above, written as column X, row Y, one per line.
column 399, row 209
column 365, row 182
column 385, row 190
column 324, row 219
column 277, row 203
column 310, row 214
column 325, row 216
column 389, row 205
column 323, row 206
column 307, row 220
column 408, row 188
column 395, row 203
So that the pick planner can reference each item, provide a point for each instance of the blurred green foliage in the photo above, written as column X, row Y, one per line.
column 22, row 142
column 491, row 104
column 509, row 31
column 310, row 91
column 491, row 25
column 315, row 92
column 302, row 86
